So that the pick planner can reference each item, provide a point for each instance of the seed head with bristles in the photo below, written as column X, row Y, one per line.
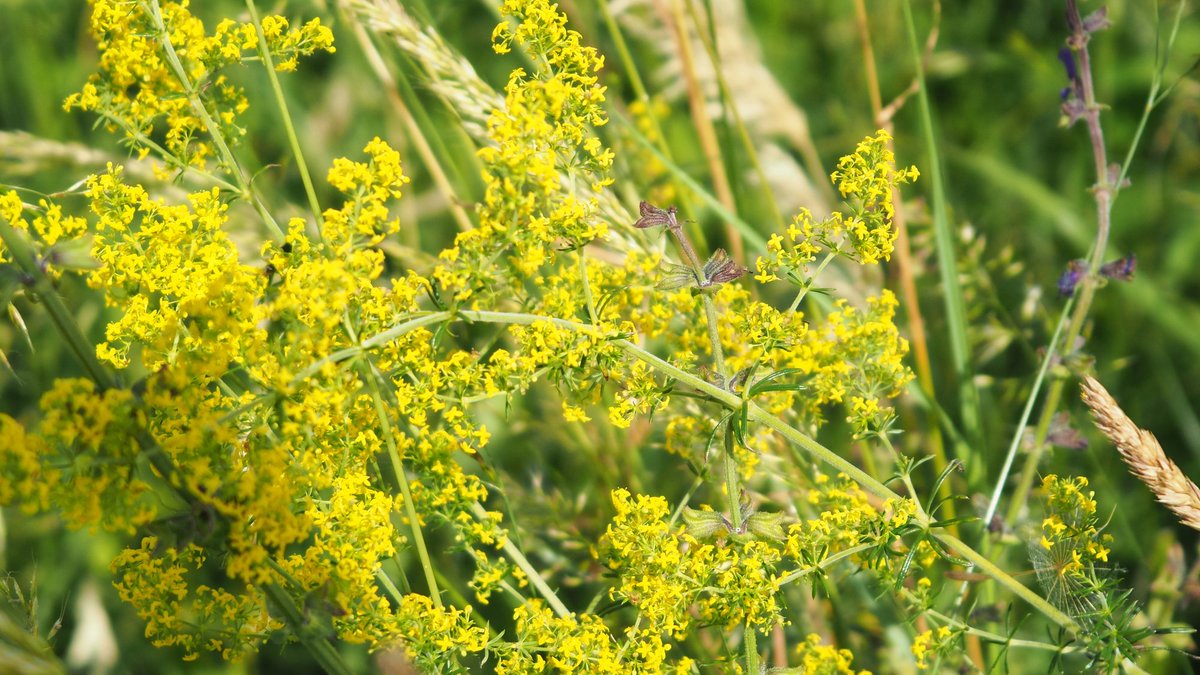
column 1145, row 457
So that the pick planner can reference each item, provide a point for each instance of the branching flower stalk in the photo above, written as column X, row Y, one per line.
column 264, row 52
column 233, row 168
column 757, row 414
column 369, row 374
column 1103, row 191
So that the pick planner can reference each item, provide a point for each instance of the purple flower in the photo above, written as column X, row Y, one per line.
column 1071, row 278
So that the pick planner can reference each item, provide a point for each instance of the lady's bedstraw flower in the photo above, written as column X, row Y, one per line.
column 845, row 519
column 818, row 659
column 543, row 161
column 137, row 89
column 864, row 233
column 936, row 644
column 89, row 458
column 856, row 357
column 47, row 226
column 667, row 573
column 162, row 582
column 1071, row 557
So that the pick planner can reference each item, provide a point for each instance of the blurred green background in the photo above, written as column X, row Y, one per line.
column 1017, row 184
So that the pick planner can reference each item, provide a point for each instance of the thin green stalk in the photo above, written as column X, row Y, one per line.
column 170, row 160
column 214, row 131
column 410, row 509
column 63, row 319
column 710, row 308
column 751, row 639
column 1004, row 579
column 1104, row 193
column 530, row 571
column 389, row 586
column 904, row 477
column 1152, row 99
column 1003, row 639
column 264, row 53
column 811, row 280
column 732, row 487
column 714, row 334
column 1019, row 432
column 587, row 286
column 825, row 564
column 947, row 260
column 308, row 633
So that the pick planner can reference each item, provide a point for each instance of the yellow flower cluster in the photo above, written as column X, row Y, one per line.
column 272, row 392
column 864, row 233
column 935, row 643
column 1071, row 534
column 854, row 357
column 543, row 154
column 668, row 574
column 278, row 448
column 818, row 659
column 161, row 582
column 48, row 226
column 83, row 459
column 580, row 643
column 176, row 275
column 146, row 48
column 859, row 355
column 845, row 519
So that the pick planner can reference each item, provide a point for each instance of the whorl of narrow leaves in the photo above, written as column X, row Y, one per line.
column 1145, row 457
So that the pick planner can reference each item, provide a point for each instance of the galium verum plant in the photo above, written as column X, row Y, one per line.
column 306, row 421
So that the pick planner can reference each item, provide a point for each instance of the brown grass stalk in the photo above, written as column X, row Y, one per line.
column 1145, row 457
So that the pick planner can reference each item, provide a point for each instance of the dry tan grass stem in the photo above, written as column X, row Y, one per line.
column 1145, row 457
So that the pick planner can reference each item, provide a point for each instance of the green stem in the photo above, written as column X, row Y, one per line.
column 587, row 287
column 264, row 52
column 751, row 638
column 732, row 485
column 904, row 477
column 530, row 571
column 828, row 562
column 410, row 509
column 714, row 334
column 308, row 634
column 1019, row 433
column 1001, row 577
column 811, row 280
column 710, row 308
column 198, row 107
column 947, row 259
column 20, row 251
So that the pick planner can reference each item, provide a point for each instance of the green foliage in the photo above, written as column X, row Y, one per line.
column 456, row 405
